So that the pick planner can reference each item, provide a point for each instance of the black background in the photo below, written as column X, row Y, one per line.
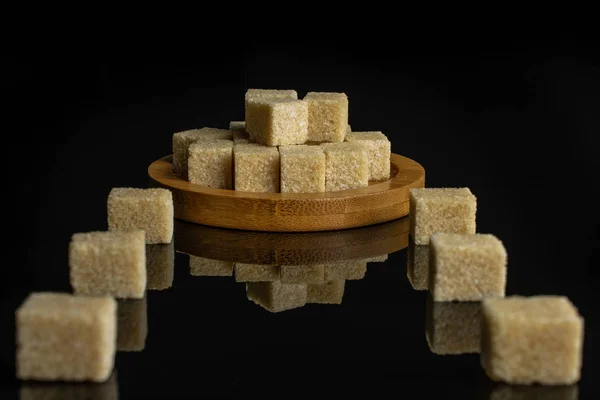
column 513, row 120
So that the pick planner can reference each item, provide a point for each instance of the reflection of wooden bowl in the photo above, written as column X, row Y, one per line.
column 287, row 212
column 290, row 248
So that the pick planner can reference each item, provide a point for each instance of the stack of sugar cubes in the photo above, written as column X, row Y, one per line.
column 284, row 145
column 523, row 340
column 74, row 337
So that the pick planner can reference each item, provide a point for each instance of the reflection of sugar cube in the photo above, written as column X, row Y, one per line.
column 276, row 296
column 326, row 293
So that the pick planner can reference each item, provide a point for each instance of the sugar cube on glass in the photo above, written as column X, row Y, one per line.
column 108, row 263
column 61, row 337
column 529, row 340
column 432, row 210
column 150, row 210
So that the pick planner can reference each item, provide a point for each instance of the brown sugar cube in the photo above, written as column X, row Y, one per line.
column 237, row 126
column 200, row 266
column 302, row 169
column 327, row 116
column 256, row 168
column 349, row 129
column 239, row 132
column 527, row 340
column 210, row 164
column 346, row 166
column 453, row 327
column 108, row 263
column 240, row 137
column 65, row 337
column 379, row 151
column 432, row 210
column 520, row 392
column 273, row 94
column 256, row 273
column 466, row 267
column 348, row 270
column 160, row 266
column 262, row 94
column 71, row 390
column 417, row 269
column 150, row 210
column 276, row 296
column 330, row 292
column 378, row 259
column 302, row 274
column 183, row 140
column 276, row 122
column 132, row 324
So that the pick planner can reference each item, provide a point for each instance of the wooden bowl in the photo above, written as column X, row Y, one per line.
column 286, row 248
column 289, row 212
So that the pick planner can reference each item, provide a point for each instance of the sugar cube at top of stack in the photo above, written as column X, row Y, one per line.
column 276, row 117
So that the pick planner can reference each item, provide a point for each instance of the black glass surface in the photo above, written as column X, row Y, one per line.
column 514, row 122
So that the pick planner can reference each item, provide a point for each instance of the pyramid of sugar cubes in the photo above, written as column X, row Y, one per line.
column 522, row 340
column 285, row 145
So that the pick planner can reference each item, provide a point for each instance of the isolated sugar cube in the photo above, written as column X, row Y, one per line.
column 132, row 324
column 330, row 292
column 302, row 169
column 417, row 269
column 256, row 168
column 150, row 210
column 276, row 296
column 346, row 166
column 210, row 164
column 453, row 327
column 275, row 122
column 200, row 266
column 327, row 116
column 379, row 151
column 256, row 272
column 183, row 140
column 528, row 340
column 108, row 263
column 65, row 337
column 432, row 210
column 466, row 267
column 348, row 270
column 160, row 266
column 302, row 274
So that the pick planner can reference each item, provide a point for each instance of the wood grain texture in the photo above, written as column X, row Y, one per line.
column 285, row 248
column 287, row 212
